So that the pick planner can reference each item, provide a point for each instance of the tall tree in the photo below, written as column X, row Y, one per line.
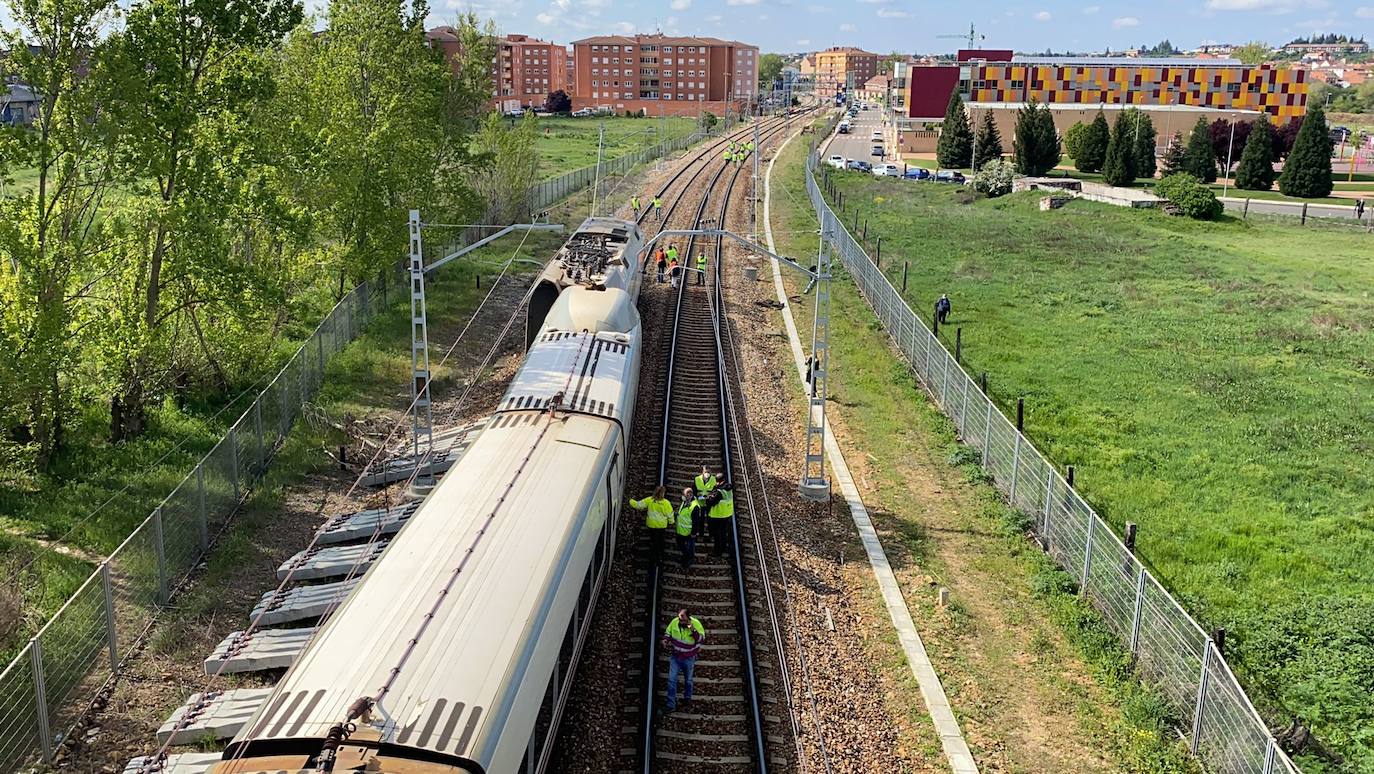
column 1047, row 139
column 1119, row 167
column 1307, row 172
column 1200, row 160
column 987, row 145
column 1285, row 136
column 1143, row 142
column 1228, row 139
column 1093, row 144
column 510, row 168
column 1034, row 141
column 1256, row 169
column 1073, row 140
column 954, row 149
column 1175, row 156
column 54, row 241
column 558, row 101
column 1253, row 53
column 770, row 68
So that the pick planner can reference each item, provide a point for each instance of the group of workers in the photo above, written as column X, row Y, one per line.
column 665, row 260
column 656, row 202
column 706, row 506
column 737, row 152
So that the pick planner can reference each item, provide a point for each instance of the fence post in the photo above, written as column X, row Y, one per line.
column 987, row 432
column 1304, row 222
column 1245, row 214
column 1135, row 616
column 878, row 253
column 1201, row 694
column 232, row 438
column 1087, row 556
column 959, row 344
column 904, row 268
column 200, row 507
column 1020, row 415
column 257, row 431
column 40, row 696
column 963, row 411
column 107, row 586
column 160, row 550
column 1015, row 469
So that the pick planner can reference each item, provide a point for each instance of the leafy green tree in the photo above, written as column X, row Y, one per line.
column 1143, row 141
column 987, row 145
column 954, row 149
column 558, row 101
column 995, row 178
column 53, row 238
column 1093, row 145
column 1253, row 53
column 1073, row 140
column 1189, row 196
column 770, row 68
column 1047, row 139
column 1119, row 167
column 190, row 75
column 511, row 167
column 1256, row 170
column 1174, row 155
column 1199, row 160
column 1307, row 172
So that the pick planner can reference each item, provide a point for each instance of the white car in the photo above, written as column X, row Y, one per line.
column 836, row 161
column 877, row 136
column 887, row 170
column 583, row 113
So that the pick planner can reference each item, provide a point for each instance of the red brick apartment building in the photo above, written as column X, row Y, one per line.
column 663, row 75
column 524, row 70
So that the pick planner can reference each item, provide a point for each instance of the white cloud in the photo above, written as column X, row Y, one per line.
column 624, row 28
column 1042, row 16
column 1272, row 6
column 1365, row 12
column 743, row 2
column 1092, row 9
column 892, row 13
column 1122, row 22
column 804, row 42
column 546, row 18
column 680, row 5
column 847, row 27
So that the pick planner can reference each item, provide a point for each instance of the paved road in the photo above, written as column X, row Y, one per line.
column 858, row 144
column 1271, row 207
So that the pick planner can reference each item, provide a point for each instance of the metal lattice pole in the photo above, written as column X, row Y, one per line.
column 422, row 420
column 815, row 484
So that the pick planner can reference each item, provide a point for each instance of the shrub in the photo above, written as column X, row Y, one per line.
column 1307, row 172
column 994, row 179
column 1190, row 196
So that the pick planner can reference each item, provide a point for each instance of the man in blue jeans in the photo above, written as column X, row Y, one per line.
column 684, row 635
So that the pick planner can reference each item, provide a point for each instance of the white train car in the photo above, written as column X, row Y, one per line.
column 456, row 652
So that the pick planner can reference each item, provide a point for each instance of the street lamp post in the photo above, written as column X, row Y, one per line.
column 1230, row 144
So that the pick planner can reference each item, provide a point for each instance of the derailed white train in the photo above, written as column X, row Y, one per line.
column 456, row 652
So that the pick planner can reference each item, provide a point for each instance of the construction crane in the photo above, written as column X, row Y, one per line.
column 972, row 37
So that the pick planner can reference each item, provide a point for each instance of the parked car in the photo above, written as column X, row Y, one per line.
column 516, row 113
column 583, row 113
column 917, row 173
column 1339, row 134
column 836, row 161
column 860, row 165
column 877, row 135
column 878, row 151
column 887, row 170
column 949, row 176
column 844, row 127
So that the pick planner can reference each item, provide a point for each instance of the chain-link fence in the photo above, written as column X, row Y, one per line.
column 1173, row 653
column 51, row 682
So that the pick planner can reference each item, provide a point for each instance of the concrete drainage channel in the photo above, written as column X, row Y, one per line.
column 287, row 617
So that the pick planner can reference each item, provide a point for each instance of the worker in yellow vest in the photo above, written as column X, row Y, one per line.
column 658, row 207
column 687, row 513
column 701, row 268
column 705, row 484
column 722, row 509
column 634, row 205
column 657, row 518
column 684, row 635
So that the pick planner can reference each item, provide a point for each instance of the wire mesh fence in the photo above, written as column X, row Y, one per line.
column 1173, row 653
column 52, row 680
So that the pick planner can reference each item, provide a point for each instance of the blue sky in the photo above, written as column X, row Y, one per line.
column 905, row 25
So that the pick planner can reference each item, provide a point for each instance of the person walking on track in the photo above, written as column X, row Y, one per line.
column 673, row 271
column 689, row 511
column 701, row 268
column 658, row 207
column 684, row 635
column 634, row 205
column 705, row 484
column 657, row 518
column 722, row 509
column 662, row 264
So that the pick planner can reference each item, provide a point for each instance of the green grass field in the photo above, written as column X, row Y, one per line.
column 566, row 144
column 1211, row 382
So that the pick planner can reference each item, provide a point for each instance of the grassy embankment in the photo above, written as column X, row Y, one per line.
column 1211, row 382
column 566, row 144
column 1017, row 650
column 54, row 525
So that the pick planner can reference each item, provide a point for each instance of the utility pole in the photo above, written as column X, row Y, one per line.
column 596, row 179
column 1230, row 145
column 814, row 484
column 754, row 194
column 422, row 419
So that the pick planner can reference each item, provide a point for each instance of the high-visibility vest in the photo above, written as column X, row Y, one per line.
column 634, row 202
column 672, row 253
column 684, row 516
column 701, row 261
column 706, row 484
column 658, row 512
column 726, row 154
column 749, row 145
column 657, row 202
column 686, row 639
column 725, row 508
